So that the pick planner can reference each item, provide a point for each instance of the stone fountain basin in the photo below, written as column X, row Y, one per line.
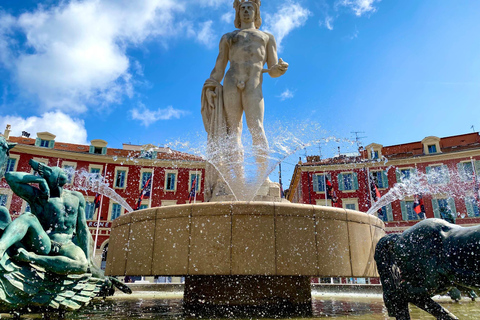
column 244, row 238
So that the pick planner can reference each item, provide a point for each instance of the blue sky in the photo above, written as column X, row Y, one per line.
column 132, row 71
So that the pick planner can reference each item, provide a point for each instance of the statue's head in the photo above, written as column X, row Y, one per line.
column 4, row 154
column 241, row 6
column 55, row 176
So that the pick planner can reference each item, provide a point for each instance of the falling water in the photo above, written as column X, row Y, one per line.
column 432, row 183
column 245, row 177
column 95, row 182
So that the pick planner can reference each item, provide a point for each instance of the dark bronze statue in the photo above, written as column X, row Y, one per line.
column 427, row 259
column 45, row 259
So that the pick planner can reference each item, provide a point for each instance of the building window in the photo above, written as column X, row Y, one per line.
column 116, row 211
column 11, row 164
column 143, row 206
column 385, row 213
column 70, row 171
column 120, row 178
column 437, row 174
column 444, row 209
column 89, row 210
column 472, row 207
column 148, row 154
column 347, row 181
column 432, row 148
column 466, row 171
column 145, row 177
column 95, row 173
column 404, row 175
column 3, row 200
column 380, row 179
column 350, row 206
column 45, row 143
column 374, row 155
column 350, row 203
column 197, row 182
column 171, row 181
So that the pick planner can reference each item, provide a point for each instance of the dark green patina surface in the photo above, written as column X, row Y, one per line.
column 45, row 259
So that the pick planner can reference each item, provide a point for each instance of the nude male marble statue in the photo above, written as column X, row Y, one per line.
column 247, row 49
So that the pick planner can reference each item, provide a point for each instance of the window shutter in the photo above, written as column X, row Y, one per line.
column 385, row 179
column 461, row 171
column 428, row 169
column 355, row 181
column 469, row 206
column 37, row 142
column 404, row 211
column 389, row 212
column 451, row 204
column 398, row 175
column 477, row 168
column 104, row 150
column 436, row 209
column 445, row 174
column 315, row 183
column 340, row 182
column 51, row 144
column 91, row 149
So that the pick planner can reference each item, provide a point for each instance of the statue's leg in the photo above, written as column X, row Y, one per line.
column 25, row 228
column 70, row 259
column 254, row 112
column 433, row 308
column 233, row 112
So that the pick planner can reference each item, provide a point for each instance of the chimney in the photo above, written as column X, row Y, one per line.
column 6, row 133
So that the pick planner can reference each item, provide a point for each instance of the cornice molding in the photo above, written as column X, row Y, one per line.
column 104, row 159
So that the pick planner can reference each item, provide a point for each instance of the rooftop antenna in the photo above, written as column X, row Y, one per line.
column 473, row 128
column 320, row 150
column 357, row 138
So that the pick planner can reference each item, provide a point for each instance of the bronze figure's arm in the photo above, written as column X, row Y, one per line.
column 20, row 184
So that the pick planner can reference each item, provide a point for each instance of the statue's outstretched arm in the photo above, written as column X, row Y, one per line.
column 276, row 67
column 20, row 184
column 222, row 60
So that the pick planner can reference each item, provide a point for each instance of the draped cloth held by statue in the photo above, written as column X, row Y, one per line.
column 215, row 124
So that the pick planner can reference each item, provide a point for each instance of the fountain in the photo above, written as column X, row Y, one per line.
column 255, row 253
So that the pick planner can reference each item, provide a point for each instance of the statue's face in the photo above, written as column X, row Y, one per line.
column 247, row 12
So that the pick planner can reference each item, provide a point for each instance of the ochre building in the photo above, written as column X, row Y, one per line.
column 125, row 171
column 448, row 165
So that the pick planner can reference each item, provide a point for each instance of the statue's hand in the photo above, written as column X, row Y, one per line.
column 211, row 95
column 279, row 69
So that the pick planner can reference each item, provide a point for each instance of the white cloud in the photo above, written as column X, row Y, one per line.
column 329, row 22
column 206, row 35
column 287, row 94
column 358, row 6
column 65, row 128
column 147, row 117
column 228, row 17
column 213, row 3
column 77, row 51
column 291, row 15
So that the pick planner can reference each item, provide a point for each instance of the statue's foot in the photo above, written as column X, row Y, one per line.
column 23, row 256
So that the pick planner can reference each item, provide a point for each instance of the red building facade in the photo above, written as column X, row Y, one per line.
column 449, row 165
column 126, row 171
